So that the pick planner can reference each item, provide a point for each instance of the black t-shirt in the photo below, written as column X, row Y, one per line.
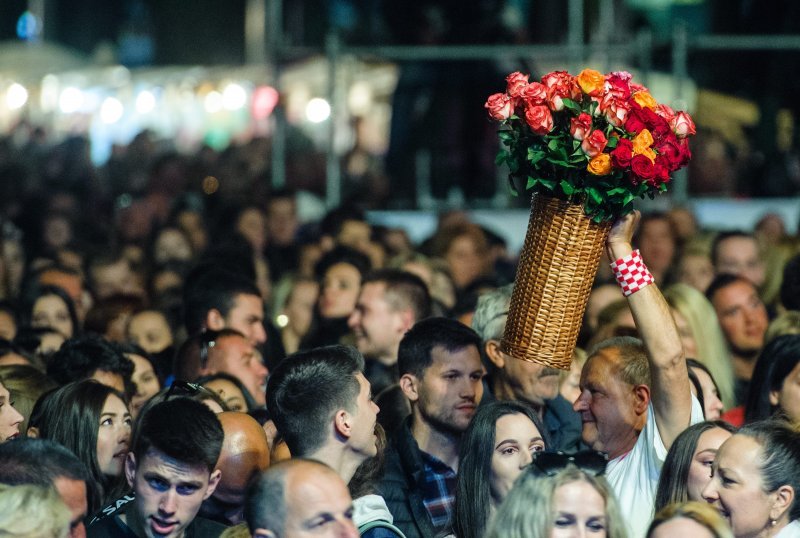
column 109, row 525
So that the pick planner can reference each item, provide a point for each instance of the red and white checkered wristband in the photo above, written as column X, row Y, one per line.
column 631, row 272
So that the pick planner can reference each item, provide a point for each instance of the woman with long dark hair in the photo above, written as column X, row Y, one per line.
column 92, row 420
column 775, row 385
column 495, row 449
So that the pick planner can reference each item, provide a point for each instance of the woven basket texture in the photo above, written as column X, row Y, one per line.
column 557, row 266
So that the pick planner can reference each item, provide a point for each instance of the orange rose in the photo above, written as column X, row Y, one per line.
column 600, row 165
column 591, row 82
column 645, row 100
column 642, row 142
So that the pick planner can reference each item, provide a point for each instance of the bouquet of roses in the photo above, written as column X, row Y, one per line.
column 600, row 140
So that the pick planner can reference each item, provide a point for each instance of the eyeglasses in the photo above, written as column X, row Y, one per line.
column 208, row 339
column 590, row 461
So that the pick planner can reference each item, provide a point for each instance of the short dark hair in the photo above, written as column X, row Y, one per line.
column 78, row 358
column 724, row 280
column 207, row 288
column 39, row 462
column 342, row 254
column 724, row 236
column 403, row 290
column 333, row 222
column 187, row 363
column 307, row 388
column 414, row 354
column 777, row 360
column 672, row 484
column 790, row 286
column 183, row 429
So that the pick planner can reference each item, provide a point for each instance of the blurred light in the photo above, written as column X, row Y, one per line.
column 359, row 98
column 213, row 102
column 265, row 98
column 111, row 110
column 71, row 100
column 318, row 110
column 234, row 97
column 27, row 26
column 210, row 184
column 282, row 320
column 145, row 102
column 16, row 96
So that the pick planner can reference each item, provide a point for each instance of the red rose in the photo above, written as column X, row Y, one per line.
column 670, row 150
column 683, row 125
column 643, row 167
column 499, row 106
column 594, row 144
column 621, row 155
column 636, row 119
column 515, row 82
column 534, row 93
column 617, row 87
column 686, row 154
column 539, row 119
column 560, row 85
column 658, row 127
column 661, row 171
column 580, row 126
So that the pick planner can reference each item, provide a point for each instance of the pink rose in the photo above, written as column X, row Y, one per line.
column 515, row 82
column 615, row 110
column 539, row 119
column 594, row 144
column 682, row 125
column 499, row 106
column 534, row 93
column 666, row 112
column 579, row 127
column 560, row 85
column 621, row 155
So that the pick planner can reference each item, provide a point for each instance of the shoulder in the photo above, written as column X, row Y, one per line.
column 204, row 528
column 112, row 509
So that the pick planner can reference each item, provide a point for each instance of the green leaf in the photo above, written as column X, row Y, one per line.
column 534, row 156
column 554, row 144
column 567, row 187
column 571, row 105
column 549, row 183
column 501, row 158
column 532, row 181
column 612, row 142
column 594, row 195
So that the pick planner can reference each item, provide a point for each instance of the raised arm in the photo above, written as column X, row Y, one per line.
column 669, row 385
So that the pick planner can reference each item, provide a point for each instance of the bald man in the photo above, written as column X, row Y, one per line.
column 300, row 498
column 245, row 453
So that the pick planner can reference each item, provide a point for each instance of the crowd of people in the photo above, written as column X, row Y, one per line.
column 201, row 366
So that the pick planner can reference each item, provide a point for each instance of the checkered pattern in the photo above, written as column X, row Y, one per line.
column 631, row 272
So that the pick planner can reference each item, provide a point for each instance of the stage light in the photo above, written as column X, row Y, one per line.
column 16, row 96
column 70, row 100
column 318, row 110
column 213, row 102
column 234, row 97
column 111, row 110
column 145, row 102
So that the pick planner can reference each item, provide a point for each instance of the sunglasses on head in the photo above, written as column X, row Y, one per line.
column 590, row 461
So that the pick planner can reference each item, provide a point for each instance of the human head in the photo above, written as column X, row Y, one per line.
column 512, row 378
column 228, row 351
column 230, row 389
column 49, row 464
column 463, row 246
column 150, row 330
column 389, row 303
column 52, row 307
column 756, row 475
column 347, row 226
column 537, row 502
column 692, row 518
column 33, row 511
column 441, row 372
column 244, row 454
column 169, row 244
column 92, row 420
column 486, row 451
column 144, row 378
column 339, row 273
column 657, row 241
column 790, row 286
column 218, row 298
column 742, row 316
column 87, row 357
column 619, row 368
column 297, row 310
column 784, row 323
column 26, row 384
column 300, row 498
column 705, row 389
column 110, row 315
column 738, row 253
column 694, row 268
column 10, row 418
column 687, row 467
column 111, row 274
column 314, row 395
column 282, row 222
column 8, row 320
column 172, row 466
column 775, row 385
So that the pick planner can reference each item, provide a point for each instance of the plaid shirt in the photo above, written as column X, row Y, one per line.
column 438, row 491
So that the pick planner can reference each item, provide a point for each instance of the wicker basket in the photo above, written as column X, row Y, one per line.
column 557, row 266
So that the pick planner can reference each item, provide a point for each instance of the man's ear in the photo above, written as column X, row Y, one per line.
column 130, row 468
column 492, row 348
column 213, row 481
column 264, row 533
column 774, row 397
column 642, row 393
column 409, row 384
column 407, row 320
column 215, row 320
column 342, row 424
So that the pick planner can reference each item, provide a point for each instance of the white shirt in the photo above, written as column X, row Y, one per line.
column 634, row 476
column 792, row 530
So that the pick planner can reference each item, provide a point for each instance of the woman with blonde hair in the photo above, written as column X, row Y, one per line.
column 702, row 336
column 33, row 512
column 691, row 518
column 560, row 495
